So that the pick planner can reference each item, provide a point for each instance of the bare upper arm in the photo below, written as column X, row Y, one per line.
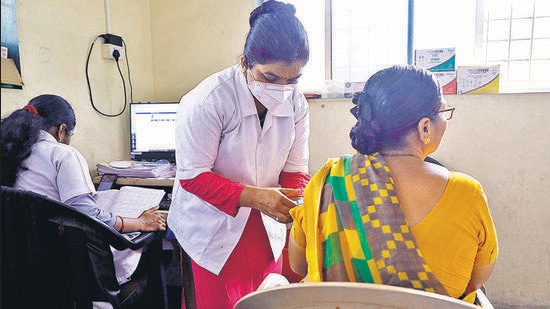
column 297, row 257
column 480, row 275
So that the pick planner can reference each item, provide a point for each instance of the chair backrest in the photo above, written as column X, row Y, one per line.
column 53, row 256
column 330, row 295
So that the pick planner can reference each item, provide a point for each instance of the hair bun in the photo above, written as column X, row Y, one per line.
column 271, row 6
column 357, row 97
column 363, row 104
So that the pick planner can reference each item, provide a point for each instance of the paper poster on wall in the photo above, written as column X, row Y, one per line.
column 436, row 60
column 11, row 66
column 447, row 80
column 477, row 79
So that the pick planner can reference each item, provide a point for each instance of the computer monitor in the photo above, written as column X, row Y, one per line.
column 152, row 131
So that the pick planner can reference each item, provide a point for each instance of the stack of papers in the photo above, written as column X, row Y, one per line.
column 139, row 169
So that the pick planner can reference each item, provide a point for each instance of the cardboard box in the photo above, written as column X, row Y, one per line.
column 477, row 79
column 447, row 80
column 352, row 87
column 435, row 60
column 9, row 73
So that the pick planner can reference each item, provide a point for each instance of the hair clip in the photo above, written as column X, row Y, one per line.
column 31, row 109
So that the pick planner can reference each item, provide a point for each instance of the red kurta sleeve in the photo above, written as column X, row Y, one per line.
column 294, row 180
column 217, row 190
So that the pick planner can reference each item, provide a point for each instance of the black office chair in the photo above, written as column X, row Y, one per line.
column 53, row 256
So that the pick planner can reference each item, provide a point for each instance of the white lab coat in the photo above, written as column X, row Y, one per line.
column 56, row 170
column 217, row 129
column 61, row 173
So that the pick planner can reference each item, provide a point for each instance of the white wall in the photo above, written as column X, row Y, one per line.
column 193, row 39
column 54, row 39
column 171, row 45
column 503, row 140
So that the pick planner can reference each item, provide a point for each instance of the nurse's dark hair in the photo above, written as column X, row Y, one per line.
column 275, row 35
column 20, row 131
column 390, row 106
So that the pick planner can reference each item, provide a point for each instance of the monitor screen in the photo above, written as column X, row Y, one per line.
column 152, row 131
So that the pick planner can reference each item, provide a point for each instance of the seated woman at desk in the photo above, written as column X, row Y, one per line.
column 384, row 215
column 36, row 156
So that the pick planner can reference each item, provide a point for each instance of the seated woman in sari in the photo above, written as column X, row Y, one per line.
column 384, row 215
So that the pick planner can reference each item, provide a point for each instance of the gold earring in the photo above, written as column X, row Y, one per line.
column 427, row 136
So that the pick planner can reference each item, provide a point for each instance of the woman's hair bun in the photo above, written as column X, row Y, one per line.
column 363, row 108
column 271, row 6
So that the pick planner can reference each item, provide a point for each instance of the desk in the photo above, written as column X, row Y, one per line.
column 166, row 183
column 185, row 274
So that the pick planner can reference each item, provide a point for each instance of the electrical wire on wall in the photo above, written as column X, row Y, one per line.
column 116, row 55
column 128, row 68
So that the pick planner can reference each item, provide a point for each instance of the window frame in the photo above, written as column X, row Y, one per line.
column 481, row 42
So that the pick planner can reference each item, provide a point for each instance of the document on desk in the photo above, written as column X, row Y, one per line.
column 129, row 201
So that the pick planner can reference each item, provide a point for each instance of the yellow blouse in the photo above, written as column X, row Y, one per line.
column 457, row 234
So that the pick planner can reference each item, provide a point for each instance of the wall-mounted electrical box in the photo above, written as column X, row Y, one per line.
column 112, row 47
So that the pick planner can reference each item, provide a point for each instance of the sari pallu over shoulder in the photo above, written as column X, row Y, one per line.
column 364, row 236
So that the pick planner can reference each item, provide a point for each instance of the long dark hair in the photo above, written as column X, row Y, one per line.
column 20, row 130
column 275, row 35
column 390, row 106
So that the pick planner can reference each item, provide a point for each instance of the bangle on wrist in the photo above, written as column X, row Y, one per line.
column 121, row 225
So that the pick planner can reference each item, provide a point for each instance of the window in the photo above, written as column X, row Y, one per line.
column 517, row 37
column 352, row 39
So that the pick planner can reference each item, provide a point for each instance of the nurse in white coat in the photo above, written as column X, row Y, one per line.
column 242, row 158
column 36, row 156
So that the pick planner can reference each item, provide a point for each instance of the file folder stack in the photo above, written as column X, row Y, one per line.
column 138, row 169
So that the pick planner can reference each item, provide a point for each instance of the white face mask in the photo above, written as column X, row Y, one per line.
column 270, row 95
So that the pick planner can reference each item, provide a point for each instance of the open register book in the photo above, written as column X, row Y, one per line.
column 129, row 201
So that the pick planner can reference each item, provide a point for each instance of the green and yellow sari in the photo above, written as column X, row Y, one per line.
column 353, row 228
